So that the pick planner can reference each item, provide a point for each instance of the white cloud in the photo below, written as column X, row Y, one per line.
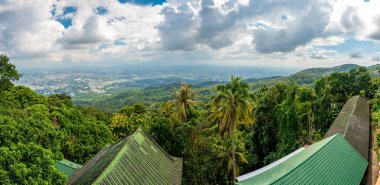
column 354, row 18
column 26, row 32
column 92, row 30
column 376, row 58
column 356, row 55
column 322, row 54
column 207, row 31
column 376, row 33
column 327, row 41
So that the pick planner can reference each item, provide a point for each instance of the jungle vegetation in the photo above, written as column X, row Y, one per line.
column 220, row 131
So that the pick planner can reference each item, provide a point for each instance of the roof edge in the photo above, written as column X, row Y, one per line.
column 60, row 162
column 330, row 139
column 118, row 155
column 85, row 167
column 177, row 171
column 269, row 166
column 352, row 112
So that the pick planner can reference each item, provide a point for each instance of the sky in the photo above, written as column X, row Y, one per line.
column 266, row 33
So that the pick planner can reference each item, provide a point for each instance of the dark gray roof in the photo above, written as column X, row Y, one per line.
column 353, row 123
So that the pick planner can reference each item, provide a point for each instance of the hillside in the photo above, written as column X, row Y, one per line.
column 183, row 120
column 111, row 103
column 309, row 76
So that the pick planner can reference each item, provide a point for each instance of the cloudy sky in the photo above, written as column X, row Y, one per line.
column 291, row 33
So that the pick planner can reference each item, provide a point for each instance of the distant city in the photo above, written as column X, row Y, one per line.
column 74, row 82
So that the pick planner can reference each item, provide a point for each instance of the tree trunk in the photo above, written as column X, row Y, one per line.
column 233, row 158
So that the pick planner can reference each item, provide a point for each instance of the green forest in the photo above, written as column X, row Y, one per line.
column 219, row 130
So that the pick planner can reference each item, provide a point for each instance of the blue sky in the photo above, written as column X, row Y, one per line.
column 64, row 19
column 352, row 45
column 143, row 2
column 314, row 33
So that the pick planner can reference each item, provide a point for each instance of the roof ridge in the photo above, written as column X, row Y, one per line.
column 352, row 112
column 118, row 155
column 86, row 166
column 177, row 162
column 330, row 139
column 157, row 145
column 106, row 169
column 63, row 163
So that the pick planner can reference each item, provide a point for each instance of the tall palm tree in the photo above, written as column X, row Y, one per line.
column 225, row 157
column 183, row 102
column 231, row 106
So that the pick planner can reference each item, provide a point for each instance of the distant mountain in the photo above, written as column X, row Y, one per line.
column 205, row 89
column 250, row 80
column 329, row 70
column 374, row 70
column 309, row 76
column 207, row 84
column 376, row 66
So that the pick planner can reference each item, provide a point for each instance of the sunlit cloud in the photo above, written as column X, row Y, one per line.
column 219, row 32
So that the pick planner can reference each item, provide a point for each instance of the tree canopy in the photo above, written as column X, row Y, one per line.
column 195, row 124
column 8, row 73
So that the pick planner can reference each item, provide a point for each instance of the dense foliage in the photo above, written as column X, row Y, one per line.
column 28, row 164
column 284, row 118
column 117, row 98
column 261, row 125
column 8, row 73
column 36, row 131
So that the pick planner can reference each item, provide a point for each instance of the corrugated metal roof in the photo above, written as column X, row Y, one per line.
column 136, row 159
column 67, row 167
column 269, row 166
column 330, row 161
column 353, row 123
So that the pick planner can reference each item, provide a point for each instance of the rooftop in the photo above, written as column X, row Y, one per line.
column 67, row 167
column 330, row 161
column 136, row 159
column 353, row 123
column 271, row 165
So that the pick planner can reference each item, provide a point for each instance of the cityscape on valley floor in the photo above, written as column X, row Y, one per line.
column 189, row 92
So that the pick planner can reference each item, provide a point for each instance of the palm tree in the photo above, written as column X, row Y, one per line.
column 225, row 157
column 183, row 102
column 231, row 106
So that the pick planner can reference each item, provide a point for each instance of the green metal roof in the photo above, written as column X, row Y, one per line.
column 330, row 161
column 136, row 159
column 67, row 167
column 353, row 123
